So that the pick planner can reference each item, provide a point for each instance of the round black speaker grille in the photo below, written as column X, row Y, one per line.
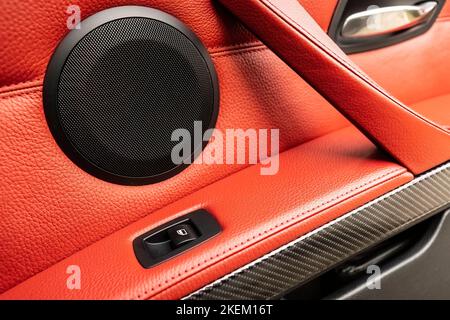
column 116, row 92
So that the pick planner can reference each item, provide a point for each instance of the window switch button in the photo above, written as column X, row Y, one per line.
column 181, row 234
column 175, row 237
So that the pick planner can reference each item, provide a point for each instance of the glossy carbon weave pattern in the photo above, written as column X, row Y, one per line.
column 318, row 251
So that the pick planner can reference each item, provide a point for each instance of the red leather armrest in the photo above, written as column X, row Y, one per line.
column 317, row 182
column 290, row 32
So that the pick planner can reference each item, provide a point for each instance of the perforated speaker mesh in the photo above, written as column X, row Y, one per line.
column 125, row 87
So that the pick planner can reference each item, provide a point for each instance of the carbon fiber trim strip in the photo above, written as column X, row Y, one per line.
column 316, row 252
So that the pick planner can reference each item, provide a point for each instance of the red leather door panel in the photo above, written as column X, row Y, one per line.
column 51, row 210
column 300, row 42
column 317, row 182
column 416, row 69
column 45, row 198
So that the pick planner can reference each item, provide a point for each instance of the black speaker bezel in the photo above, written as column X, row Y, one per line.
column 56, row 65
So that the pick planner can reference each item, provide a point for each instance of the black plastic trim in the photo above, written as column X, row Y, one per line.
column 56, row 65
column 347, row 7
column 206, row 227
column 421, row 272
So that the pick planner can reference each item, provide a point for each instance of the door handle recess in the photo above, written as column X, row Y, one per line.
column 381, row 21
column 286, row 28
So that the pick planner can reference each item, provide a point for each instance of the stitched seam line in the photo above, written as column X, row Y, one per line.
column 267, row 3
column 22, row 85
column 234, row 47
column 20, row 93
column 240, row 52
column 235, row 50
column 330, row 52
column 265, row 232
column 12, row 90
column 237, row 44
column 212, row 50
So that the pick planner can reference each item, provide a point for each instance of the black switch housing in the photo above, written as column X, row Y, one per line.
column 175, row 237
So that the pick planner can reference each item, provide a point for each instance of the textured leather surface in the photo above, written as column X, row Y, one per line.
column 31, row 29
column 50, row 209
column 436, row 109
column 308, row 50
column 322, row 11
column 445, row 12
column 318, row 181
column 413, row 70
